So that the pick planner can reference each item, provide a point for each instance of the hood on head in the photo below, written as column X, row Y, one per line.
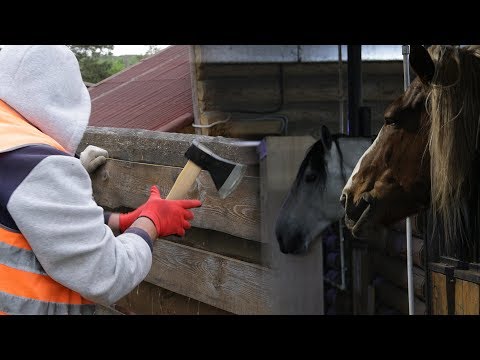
column 44, row 84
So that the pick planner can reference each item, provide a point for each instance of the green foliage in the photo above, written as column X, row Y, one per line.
column 97, row 62
column 116, row 65
column 92, row 51
column 93, row 69
column 152, row 50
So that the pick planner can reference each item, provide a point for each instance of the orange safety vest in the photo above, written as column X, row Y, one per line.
column 30, row 292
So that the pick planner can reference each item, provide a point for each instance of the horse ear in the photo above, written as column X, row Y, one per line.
column 326, row 137
column 422, row 63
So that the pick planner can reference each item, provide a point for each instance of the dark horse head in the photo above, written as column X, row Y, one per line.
column 312, row 202
column 426, row 152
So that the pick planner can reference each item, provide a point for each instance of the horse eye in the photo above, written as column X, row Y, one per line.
column 310, row 178
column 390, row 121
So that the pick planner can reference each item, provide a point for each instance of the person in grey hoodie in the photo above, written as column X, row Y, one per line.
column 58, row 249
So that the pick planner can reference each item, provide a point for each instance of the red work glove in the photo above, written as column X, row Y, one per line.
column 126, row 220
column 169, row 216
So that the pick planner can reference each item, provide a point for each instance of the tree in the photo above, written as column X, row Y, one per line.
column 92, row 67
column 153, row 49
column 94, row 51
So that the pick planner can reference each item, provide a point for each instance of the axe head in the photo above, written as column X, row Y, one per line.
column 225, row 174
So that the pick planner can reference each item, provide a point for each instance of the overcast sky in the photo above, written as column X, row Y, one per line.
column 131, row 49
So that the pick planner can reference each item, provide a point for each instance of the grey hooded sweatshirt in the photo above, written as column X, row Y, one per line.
column 46, row 194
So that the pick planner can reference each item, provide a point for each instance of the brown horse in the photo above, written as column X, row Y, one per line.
column 426, row 153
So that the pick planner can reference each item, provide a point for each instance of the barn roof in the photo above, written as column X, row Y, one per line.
column 154, row 94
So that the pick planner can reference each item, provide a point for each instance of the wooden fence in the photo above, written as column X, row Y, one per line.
column 229, row 261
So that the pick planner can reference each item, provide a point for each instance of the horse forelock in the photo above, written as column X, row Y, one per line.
column 316, row 159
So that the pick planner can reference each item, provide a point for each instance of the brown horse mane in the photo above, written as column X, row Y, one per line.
column 453, row 105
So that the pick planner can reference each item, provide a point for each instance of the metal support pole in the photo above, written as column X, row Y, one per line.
column 354, row 88
column 411, row 303
column 340, row 91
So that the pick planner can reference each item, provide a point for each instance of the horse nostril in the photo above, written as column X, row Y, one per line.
column 343, row 199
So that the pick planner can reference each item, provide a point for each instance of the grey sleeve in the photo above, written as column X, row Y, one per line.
column 54, row 209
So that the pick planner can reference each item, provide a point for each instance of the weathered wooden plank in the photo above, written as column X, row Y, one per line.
column 467, row 298
column 395, row 271
column 248, row 94
column 233, row 92
column 222, row 244
column 439, row 294
column 397, row 298
column 305, row 117
column 106, row 310
column 371, row 300
column 470, row 275
column 237, row 215
column 219, row 71
column 247, row 53
column 162, row 148
column 361, row 277
column 248, row 129
column 325, row 88
column 297, row 287
column 397, row 247
column 370, row 69
column 149, row 299
column 194, row 68
column 459, row 310
column 471, row 297
column 231, row 285
column 340, row 301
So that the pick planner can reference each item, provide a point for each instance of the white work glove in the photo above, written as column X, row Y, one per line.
column 93, row 157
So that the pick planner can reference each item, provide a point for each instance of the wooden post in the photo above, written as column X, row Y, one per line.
column 297, row 285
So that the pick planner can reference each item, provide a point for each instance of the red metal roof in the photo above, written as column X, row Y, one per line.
column 154, row 94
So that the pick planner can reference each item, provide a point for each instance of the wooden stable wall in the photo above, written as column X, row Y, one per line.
column 380, row 273
column 455, row 288
column 306, row 93
column 229, row 261
column 216, row 267
column 297, row 284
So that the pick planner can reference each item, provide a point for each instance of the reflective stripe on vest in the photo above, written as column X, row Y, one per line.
column 25, row 288
column 16, row 132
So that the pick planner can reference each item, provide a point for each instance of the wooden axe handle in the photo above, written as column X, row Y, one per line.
column 184, row 181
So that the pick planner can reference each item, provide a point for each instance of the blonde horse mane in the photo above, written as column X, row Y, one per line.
column 453, row 104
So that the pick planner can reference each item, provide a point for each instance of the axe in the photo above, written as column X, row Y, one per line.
column 225, row 174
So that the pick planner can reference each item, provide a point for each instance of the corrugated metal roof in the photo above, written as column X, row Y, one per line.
column 154, row 94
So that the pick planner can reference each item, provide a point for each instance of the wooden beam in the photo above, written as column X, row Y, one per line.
column 361, row 277
column 222, row 244
column 193, row 77
column 395, row 271
column 155, row 147
column 397, row 298
column 106, row 310
column 249, row 94
column 236, row 215
column 149, row 299
column 467, row 298
column 397, row 247
column 297, row 287
column 439, row 294
column 228, row 284
column 248, row 129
